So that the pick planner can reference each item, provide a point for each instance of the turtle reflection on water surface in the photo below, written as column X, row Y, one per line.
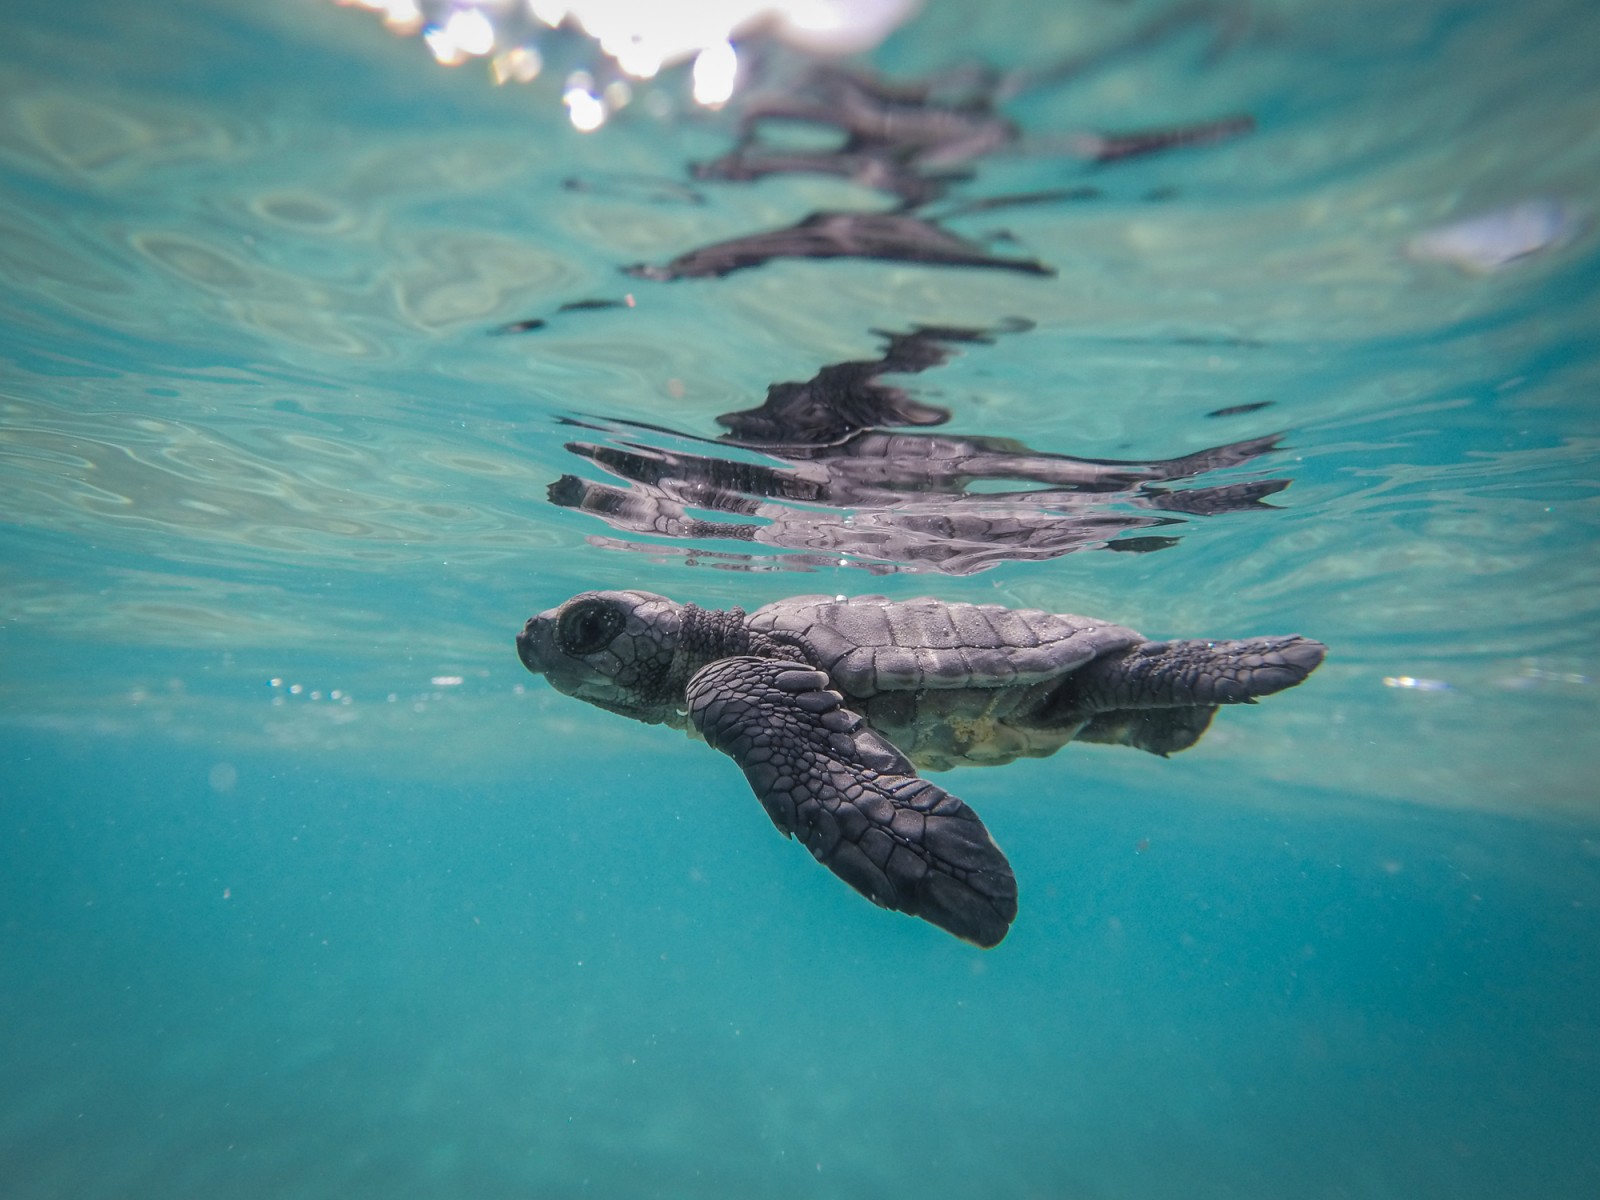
column 829, row 706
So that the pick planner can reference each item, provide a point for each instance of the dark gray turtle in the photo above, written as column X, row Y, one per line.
column 829, row 705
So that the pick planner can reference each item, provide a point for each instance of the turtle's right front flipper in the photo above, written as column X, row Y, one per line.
column 852, row 798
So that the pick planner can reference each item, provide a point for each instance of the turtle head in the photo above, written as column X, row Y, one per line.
column 612, row 649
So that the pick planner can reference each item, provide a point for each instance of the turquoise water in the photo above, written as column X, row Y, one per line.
column 309, row 889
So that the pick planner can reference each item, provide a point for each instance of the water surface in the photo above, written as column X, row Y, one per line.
column 310, row 890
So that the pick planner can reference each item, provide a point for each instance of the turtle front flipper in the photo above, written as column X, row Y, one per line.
column 852, row 798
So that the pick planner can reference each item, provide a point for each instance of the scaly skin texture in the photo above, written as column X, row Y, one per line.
column 1182, row 673
column 852, row 798
column 829, row 707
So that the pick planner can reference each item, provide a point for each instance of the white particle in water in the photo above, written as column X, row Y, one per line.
column 1413, row 683
column 1493, row 240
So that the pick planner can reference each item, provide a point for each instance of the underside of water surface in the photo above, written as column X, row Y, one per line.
column 331, row 352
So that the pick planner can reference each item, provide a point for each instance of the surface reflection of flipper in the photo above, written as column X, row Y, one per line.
column 845, row 398
column 813, row 471
column 853, row 799
column 1114, row 147
column 891, row 237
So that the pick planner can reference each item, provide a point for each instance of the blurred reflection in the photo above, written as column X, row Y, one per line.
column 813, row 471
column 913, row 139
column 889, row 237
column 916, row 139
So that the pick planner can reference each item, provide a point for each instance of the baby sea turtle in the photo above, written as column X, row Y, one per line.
column 829, row 705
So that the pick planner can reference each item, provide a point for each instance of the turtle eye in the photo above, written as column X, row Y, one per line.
column 587, row 626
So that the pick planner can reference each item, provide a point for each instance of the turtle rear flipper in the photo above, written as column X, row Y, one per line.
column 852, row 798
column 1161, row 731
column 1191, row 674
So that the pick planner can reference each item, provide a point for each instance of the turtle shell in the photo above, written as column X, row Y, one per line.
column 949, row 684
column 870, row 644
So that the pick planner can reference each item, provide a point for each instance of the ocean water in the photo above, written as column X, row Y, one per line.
column 308, row 889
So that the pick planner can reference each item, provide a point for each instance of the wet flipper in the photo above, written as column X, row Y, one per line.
column 1161, row 731
column 852, row 798
column 1188, row 674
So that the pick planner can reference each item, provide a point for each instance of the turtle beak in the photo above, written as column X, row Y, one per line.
column 533, row 645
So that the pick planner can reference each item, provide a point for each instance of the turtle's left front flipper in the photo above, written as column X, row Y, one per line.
column 852, row 798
